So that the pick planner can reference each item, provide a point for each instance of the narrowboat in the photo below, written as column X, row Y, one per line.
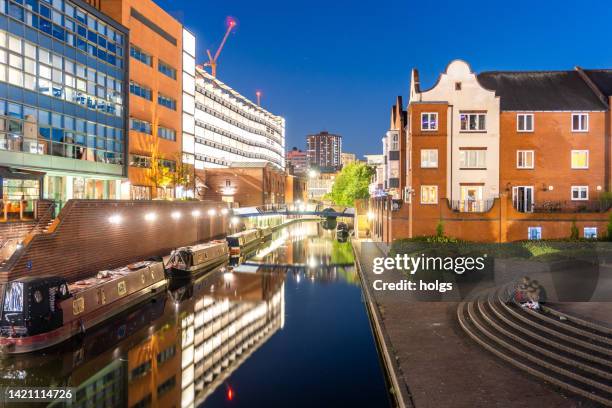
column 243, row 242
column 187, row 261
column 40, row 312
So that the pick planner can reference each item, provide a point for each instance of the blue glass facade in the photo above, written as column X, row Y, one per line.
column 63, row 87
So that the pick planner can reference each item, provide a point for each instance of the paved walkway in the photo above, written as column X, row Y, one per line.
column 438, row 364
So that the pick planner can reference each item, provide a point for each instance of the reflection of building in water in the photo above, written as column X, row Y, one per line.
column 239, row 314
column 207, row 330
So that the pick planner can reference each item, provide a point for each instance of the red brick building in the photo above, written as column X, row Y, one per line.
column 503, row 156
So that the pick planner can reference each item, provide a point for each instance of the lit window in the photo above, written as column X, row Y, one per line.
column 473, row 122
column 429, row 158
column 580, row 122
column 534, row 233
column 524, row 122
column 580, row 193
column 429, row 121
column 429, row 194
column 580, row 159
column 473, row 159
column 524, row 159
column 590, row 232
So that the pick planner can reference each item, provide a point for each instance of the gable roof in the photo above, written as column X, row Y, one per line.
column 541, row 90
column 602, row 78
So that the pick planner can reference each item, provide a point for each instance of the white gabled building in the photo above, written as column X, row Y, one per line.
column 230, row 129
column 473, row 127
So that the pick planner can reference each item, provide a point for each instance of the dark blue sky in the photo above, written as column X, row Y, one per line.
column 338, row 65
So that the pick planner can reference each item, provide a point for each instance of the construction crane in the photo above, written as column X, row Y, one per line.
column 212, row 61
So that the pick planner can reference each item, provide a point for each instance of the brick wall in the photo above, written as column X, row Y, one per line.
column 83, row 241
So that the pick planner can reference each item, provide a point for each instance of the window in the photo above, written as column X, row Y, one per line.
column 473, row 159
column 141, row 56
column 590, row 232
column 429, row 158
column 140, row 90
column 140, row 126
column 524, row 159
column 473, row 122
column 457, row 86
column 580, row 193
column 166, row 69
column 429, row 194
column 165, row 133
column 524, row 122
column 140, row 161
column 534, row 233
column 395, row 142
column 166, row 101
column 429, row 121
column 580, row 122
column 580, row 159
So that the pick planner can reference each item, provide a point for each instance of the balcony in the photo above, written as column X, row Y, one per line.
column 473, row 206
column 578, row 206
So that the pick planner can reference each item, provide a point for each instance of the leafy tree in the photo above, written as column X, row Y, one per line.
column 351, row 184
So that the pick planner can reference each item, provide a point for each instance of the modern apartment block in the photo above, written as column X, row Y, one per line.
column 298, row 160
column 504, row 155
column 63, row 83
column 230, row 129
column 325, row 151
column 156, row 55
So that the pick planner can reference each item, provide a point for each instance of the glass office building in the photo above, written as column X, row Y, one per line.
column 63, row 76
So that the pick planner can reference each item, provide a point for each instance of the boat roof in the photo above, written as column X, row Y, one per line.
column 112, row 274
column 204, row 245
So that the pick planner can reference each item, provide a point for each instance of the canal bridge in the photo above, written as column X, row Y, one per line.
column 284, row 209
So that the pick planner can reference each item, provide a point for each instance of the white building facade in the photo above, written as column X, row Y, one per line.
column 473, row 129
column 230, row 129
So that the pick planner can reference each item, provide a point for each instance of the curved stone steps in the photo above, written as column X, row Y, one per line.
column 539, row 336
column 585, row 372
column 545, row 349
column 594, row 335
column 606, row 331
column 534, row 357
column 603, row 349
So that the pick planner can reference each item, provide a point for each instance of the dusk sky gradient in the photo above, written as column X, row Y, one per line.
column 339, row 65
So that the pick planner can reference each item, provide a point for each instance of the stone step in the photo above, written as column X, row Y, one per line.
column 549, row 350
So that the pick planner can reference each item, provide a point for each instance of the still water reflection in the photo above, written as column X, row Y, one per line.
column 287, row 327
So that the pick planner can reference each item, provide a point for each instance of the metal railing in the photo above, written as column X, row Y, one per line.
column 577, row 206
column 477, row 206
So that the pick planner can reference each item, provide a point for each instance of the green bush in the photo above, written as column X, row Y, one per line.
column 574, row 232
column 440, row 229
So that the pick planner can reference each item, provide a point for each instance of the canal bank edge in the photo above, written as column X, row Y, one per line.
column 400, row 392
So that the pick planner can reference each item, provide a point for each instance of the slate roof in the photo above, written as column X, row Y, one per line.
column 602, row 78
column 542, row 90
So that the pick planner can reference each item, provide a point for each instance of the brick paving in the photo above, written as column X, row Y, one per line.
column 439, row 364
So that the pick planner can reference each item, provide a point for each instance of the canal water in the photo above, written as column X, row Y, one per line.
column 287, row 327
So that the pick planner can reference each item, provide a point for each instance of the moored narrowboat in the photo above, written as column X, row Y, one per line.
column 243, row 242
column 187, row 261
column 40, row 312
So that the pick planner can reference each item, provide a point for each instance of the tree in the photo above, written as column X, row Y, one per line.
column 158, row 173
column 574, row 233
column 351, row 184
